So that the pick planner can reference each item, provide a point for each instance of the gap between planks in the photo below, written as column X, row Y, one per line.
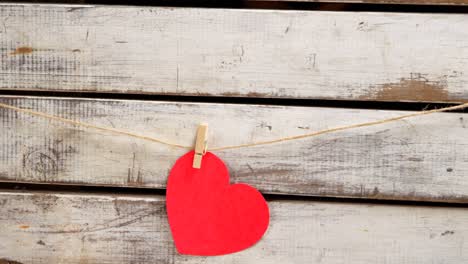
column 345, row 104
column 386, row 2
column 71, row 189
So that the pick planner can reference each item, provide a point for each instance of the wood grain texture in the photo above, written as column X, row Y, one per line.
column 424, row 158
column 68, row 228
column 216, row 52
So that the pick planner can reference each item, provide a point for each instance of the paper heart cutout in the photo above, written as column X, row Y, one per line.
column 207, row 215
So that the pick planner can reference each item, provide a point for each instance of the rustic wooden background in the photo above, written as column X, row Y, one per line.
column 393, row 193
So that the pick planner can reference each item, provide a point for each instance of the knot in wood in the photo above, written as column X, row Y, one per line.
column 39, row 163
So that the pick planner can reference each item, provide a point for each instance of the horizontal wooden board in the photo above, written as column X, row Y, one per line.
column 69, row 228
column 424, row 158
column 278, row 4
column 222, row 52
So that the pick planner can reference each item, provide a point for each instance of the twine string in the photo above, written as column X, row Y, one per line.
column 312, row 134
column 87, row 125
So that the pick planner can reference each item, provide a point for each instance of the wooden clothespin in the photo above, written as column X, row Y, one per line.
column 200, row 145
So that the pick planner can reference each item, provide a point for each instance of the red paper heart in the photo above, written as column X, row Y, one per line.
column 207, row 215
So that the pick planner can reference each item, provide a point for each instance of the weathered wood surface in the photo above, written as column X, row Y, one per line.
column 424, row 158
column 69, row 228
column 257, row 53
column 249, row 3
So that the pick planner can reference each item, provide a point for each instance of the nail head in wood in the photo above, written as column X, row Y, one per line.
column 200, row 145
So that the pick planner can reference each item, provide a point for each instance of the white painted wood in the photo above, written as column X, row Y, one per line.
column 336, row 3
column 424, row 158
column 260, row 53
column 70, row 228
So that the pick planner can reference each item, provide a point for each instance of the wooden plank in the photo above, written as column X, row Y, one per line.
column 282, row 3
column 216, row 52
column 424, row 158
column 69, row 228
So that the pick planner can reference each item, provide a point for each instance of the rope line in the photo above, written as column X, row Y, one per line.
column 312, row 134
column 87, row 125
